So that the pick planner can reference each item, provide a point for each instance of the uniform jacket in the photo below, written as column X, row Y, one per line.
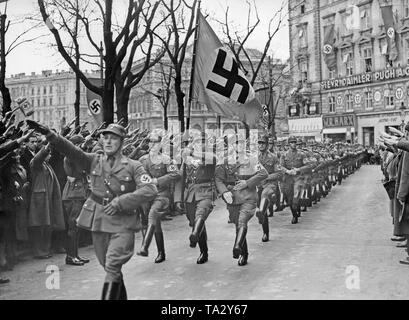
column 248, row 169
column 45, row 201
column 197, row 181
column 294, row 159
column 163, row 169
column 127, row 179
column 76, row 186
column 272, row 164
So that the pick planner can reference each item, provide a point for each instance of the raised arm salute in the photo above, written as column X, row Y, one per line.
column 118, row 186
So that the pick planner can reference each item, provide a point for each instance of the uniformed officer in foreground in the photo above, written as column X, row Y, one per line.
column 118, row 186
column 236, row 180
column 164, row 172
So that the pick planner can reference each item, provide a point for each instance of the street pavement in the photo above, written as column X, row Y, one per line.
column 340, row 249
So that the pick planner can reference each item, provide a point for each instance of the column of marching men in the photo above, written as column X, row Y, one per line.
column 118, row 182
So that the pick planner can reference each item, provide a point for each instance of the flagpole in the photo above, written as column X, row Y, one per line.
column 192, row 71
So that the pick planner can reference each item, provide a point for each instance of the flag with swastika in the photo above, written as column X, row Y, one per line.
column 94, row 102
column 218, row 81
column 25, row 106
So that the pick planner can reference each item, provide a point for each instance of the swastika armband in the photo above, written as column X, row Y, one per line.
column 258, row 167
column 146, row 178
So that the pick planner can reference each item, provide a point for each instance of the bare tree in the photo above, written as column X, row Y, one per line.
column 237, row 41
column 275, row 82
column 122, row 41
column 26, row 36
column 165, row 75
column 180, row 29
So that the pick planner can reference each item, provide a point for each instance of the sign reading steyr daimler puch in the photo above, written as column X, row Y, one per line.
column 364, row 78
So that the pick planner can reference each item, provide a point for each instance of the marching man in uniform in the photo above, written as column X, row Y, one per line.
column 268, row 189
column 236, row 180
column 293, row 164
column 163, row 171
column 118, row 186
column 196, row 190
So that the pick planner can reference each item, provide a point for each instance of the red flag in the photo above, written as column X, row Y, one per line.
column 94, row 102
column 218, row 81
column 330, row 56
column 389, row 23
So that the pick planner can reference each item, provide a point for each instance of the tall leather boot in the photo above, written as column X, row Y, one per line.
column 197, row 230
column 295, row 215
column 160, row 244
column 203, row 257
column 245, row 254
column 146, row 241
column 261, row 210
column 240, row 237
column 123, row 295
column 111, row 291
column 266, row 231
column 271, row 210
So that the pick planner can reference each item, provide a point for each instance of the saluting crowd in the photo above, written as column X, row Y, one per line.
column 58, row 188
column 395, row 169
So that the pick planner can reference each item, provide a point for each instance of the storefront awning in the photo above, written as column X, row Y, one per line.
column 336, row 130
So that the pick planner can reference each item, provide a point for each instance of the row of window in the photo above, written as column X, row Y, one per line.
column 389, row 102
column 41, row 90
column 45, row 102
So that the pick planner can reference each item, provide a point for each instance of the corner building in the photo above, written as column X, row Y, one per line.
column 353, row 57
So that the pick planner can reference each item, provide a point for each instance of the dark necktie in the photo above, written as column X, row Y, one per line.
column 111, row 161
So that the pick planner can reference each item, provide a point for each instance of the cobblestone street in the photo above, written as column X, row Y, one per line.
column 309, row 260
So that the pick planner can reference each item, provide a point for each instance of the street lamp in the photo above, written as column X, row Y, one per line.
column 402, row 110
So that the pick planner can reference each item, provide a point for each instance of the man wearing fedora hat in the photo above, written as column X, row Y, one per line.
column 118, row 186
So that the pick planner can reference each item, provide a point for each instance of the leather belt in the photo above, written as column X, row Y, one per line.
column 101, row 200
column 189, row 181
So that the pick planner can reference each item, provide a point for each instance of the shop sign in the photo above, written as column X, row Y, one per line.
column 388, row 120
column 334, row 121
column 364, row 78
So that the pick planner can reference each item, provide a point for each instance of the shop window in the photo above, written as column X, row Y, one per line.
column 367, row 59
column 349, row 102
column 331, row 102
column 368, row 100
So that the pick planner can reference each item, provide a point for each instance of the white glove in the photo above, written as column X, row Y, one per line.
column 228, row 197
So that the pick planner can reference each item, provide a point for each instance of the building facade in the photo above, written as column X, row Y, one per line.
column 52, row 95
column 351, row 60
column 146, row 110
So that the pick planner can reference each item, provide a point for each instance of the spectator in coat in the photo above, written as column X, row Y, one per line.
column 13, row 179
column 46, row 212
